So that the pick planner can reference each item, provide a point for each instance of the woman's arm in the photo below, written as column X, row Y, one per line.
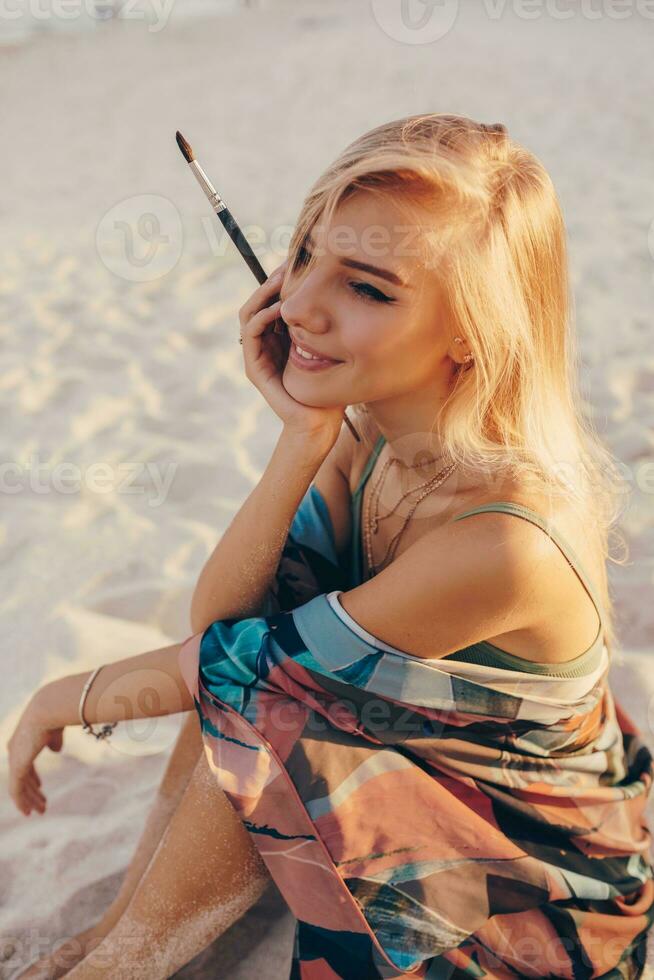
column 146, row 685
column 242, row 566
column 238, row 574
column 143, row 686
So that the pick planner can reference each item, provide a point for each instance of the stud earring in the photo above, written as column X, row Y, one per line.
column 467, row 357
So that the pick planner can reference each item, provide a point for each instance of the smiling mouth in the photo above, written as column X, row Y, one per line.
column 306, row 355
column 312, row 364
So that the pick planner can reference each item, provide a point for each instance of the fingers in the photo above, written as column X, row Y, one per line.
column 35, row 799
column 25, row 792
column 262, row 296
column 27, row 798
column 257, row 324
column 260, row 299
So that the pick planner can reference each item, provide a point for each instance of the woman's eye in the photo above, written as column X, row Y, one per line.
column 302, row 257
column 362, row 289
column 368, row 292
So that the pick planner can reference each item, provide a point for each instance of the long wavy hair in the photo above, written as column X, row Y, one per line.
column 491, row 228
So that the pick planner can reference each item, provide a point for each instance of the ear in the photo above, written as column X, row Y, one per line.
column 459, row 353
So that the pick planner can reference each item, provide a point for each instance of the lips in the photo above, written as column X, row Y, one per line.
column 312, row 350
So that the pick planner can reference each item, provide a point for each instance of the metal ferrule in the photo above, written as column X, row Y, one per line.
column 212, row 194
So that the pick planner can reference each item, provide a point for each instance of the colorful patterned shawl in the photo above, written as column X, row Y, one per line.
column 431, row 818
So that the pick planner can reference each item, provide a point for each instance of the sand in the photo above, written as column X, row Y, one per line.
column 131, row 432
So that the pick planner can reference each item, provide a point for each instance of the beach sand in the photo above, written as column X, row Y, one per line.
column 131, row 430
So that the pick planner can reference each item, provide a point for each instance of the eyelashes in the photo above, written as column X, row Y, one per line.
column 363, row 290
column 366, row 291
column 302, row 257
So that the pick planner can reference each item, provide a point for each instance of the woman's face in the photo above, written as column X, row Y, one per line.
column 383, row 328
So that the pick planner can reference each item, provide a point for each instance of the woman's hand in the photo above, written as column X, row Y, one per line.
column 29, row 738
column 265, row 352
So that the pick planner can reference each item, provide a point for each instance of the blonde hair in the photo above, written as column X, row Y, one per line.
column 492, row 227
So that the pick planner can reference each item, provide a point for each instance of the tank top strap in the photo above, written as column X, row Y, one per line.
column 372, row 459
column 355, row 569
column 519, row 510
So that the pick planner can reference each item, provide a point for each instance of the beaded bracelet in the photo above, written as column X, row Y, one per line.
column 108, row 727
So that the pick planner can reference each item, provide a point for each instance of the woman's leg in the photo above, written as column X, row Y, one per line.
column 203, row 876
column 182, row 762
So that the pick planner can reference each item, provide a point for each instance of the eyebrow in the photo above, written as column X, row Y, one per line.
column 372, row 269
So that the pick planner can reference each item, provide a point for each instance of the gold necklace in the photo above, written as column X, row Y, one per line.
column 369, row 529
column 376, row 519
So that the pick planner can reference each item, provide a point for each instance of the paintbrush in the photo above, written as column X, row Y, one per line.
column 232, row 229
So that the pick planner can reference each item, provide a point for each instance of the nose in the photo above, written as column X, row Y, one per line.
column 303, row 308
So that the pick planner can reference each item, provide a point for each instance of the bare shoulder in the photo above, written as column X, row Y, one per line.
column 563, row 615
column 493, row 542
column 558, row 511
column 456, row 586
column 488, row 578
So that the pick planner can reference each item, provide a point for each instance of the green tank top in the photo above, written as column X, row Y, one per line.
column 485, row 653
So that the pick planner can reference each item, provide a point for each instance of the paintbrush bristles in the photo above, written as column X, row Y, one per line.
column 185, row 147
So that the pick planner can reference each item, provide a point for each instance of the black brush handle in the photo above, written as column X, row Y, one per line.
column 242, row 245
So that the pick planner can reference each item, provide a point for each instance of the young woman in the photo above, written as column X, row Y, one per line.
column 400, row 645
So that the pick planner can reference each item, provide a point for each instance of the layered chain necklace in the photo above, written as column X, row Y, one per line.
column 371, row 522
